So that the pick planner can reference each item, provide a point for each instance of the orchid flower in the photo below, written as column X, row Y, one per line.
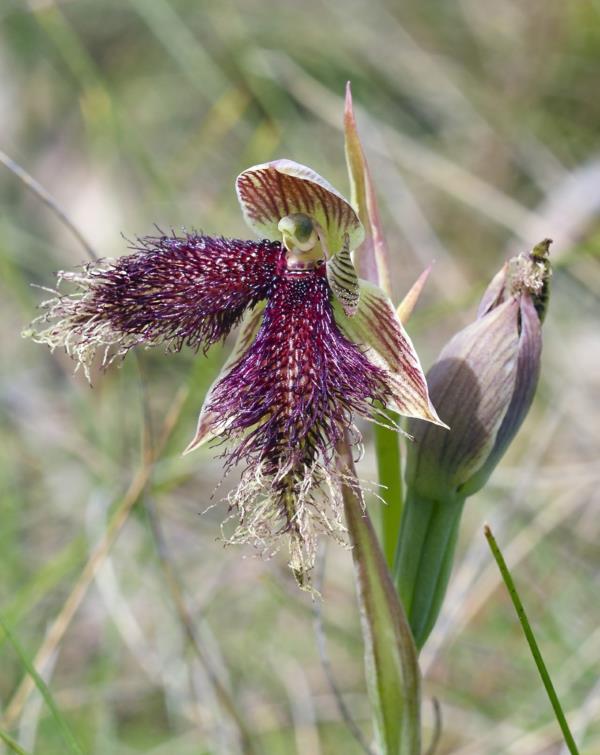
column 316, row 347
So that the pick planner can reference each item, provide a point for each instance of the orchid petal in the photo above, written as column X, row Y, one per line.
column 377, row 326
column 472, row 383
column 208, row 422
column 175, row 291
column 496, row 291
column 285, row 404
column 343, row 280
column 270, row 191
column 526, row 380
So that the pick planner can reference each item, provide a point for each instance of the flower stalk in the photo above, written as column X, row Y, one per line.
column 392, row 671
column 424, row 556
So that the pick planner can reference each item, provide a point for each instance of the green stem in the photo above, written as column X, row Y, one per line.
column 389, row 473
column 533, row 646
column 424, row 558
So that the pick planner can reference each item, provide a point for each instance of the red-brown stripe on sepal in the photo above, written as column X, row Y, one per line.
column 376, row 327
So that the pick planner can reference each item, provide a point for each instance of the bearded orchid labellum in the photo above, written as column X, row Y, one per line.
column 315, row 348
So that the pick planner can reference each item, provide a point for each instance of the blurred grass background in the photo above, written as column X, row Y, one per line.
column 481, row 123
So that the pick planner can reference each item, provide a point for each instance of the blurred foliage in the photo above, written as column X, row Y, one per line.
column 480, row 120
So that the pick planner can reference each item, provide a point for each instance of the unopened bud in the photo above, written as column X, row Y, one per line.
column 483, row 383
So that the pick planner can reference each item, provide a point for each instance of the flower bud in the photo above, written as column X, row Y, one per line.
column 483, row 383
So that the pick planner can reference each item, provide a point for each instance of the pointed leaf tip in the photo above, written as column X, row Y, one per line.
column 407, row 305
column 348, row 107
column 204, row 432
column 371, row 258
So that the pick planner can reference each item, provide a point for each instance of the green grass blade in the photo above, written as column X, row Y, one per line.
column 533, row 646
column 11, row 744
column 70, row 740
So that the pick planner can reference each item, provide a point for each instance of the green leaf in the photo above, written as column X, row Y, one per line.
column 387, row 449
column 392, row 669
column 67, row 735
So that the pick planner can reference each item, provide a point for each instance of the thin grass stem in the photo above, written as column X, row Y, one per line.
column 97, row 557
column 67, row 734
column 532, row 642
column 41, row 193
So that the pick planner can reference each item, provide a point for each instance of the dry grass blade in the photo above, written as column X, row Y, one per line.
column 65, row 616
column 36, row 188
column 173, row 582
column 436, row 734
column 413, row 155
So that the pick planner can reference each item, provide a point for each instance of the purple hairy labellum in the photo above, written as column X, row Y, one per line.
column 316, row 347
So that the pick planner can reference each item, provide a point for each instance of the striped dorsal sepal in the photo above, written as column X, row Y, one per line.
column 272, row 191
column 343, row 279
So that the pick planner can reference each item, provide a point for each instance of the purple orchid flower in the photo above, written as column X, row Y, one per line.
column 316, row 345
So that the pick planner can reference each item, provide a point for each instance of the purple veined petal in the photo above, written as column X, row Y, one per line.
column 177, row 291
column 270, row 191
column 471, row 384
column 208, row 421
column 376, row 325
column 495, row 293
